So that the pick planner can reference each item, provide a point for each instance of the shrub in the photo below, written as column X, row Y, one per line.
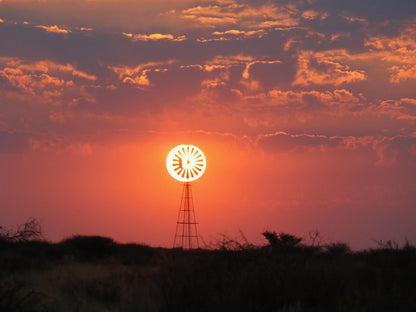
column 338, row 249
column 281, row 239
column 89, row 247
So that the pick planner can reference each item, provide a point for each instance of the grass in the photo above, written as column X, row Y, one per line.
column 97, row 274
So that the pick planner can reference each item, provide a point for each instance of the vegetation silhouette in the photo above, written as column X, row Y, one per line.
column 93, row 273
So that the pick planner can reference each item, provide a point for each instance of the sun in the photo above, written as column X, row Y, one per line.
column 186, row 163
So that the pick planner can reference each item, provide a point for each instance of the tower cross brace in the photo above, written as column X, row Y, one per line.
column 186, row 234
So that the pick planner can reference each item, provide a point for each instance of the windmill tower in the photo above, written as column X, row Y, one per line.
column 186, row 163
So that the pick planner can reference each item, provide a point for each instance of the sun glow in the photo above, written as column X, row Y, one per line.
column 186, row 163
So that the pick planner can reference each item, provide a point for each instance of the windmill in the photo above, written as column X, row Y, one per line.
column 186, row 163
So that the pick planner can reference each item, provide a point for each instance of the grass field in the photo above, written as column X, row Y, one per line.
column 96, row 274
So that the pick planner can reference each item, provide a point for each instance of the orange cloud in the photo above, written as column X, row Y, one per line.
column 240, row 33
column 86, row 28
column 400, row 50
column 54, row 29
column 154, row 37
column 312, row 14
column 327, row 67
column 233, row 13
column 396, row 150
column 353, row 19
column 404, row 108
column 228, row 61
column 391, row 151
column 284, row 142
column 402, row 73
column 337, row 101
column 44, row 66
column 340, row 36
column 141, row 80
column 246, row 72
column 138, row 76
column 246, row 61
column 203, row 39
column 41, row 79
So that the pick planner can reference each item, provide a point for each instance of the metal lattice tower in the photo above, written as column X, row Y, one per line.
column 186, row 235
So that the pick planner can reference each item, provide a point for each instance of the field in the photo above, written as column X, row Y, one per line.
column 97, row 274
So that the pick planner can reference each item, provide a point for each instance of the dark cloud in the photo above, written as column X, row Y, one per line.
column 299, row 66
column 284, row 142
column 124, row 15
column 13, row 142
column 399, row 150
column 381, row 10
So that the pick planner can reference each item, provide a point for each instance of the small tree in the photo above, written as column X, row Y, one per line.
column 281, row 239
column 28, row 231
column 338, row 249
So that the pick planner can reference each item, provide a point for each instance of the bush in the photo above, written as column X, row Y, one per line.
column 89, row 247
column 338, row 249
column 281, row 239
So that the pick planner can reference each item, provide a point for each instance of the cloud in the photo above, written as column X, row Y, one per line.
column 44, row 79
column 123, row 15
column 398, row 150
column 13, row 142
column 402, row 73
column 54, row 29
column 312, row 15
column 390, row 151
column 383, row 11
column 154, row 37
column 315, row 73
column 404, row 108
column 401, row 50
column 246, row 72
column 235, row 63
column 249, row 16
column 326, row 68
column 138, row 75
column 338, row 100
column 284, row 142
column 239, row 34
column 86, row 28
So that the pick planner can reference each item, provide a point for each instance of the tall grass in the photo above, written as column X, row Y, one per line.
column 97, row 274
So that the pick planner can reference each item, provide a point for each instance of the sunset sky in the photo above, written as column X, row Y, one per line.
column 305, row 110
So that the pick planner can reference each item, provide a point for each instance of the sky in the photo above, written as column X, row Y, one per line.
column 305, row 110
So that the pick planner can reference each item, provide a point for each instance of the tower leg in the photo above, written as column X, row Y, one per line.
column 186, row 235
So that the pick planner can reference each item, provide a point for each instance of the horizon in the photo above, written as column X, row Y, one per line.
column 305, row 111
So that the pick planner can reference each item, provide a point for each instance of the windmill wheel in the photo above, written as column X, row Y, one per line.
column 186, row 163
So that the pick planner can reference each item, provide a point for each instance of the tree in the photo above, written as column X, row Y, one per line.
column 281, row 239
column 28, row 231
